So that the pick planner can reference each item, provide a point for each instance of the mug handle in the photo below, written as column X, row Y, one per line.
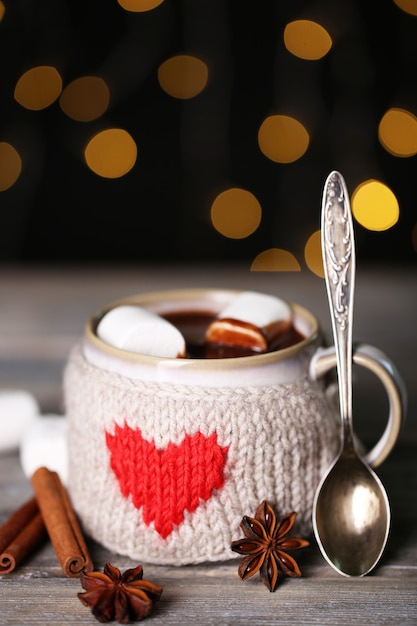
column 377, row 362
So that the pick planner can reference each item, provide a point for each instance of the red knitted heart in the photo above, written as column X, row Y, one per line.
column 165, row 483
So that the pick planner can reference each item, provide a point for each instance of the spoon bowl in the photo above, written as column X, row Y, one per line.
column 351, row 512
column 354, row 499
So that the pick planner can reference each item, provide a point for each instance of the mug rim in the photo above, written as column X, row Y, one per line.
column 175, row 296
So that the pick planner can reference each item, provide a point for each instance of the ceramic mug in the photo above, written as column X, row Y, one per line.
column 166, row 455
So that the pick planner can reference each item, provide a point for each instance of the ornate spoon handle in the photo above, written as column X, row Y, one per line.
column 338, row 249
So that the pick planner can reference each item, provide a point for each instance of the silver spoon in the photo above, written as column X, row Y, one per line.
column 351, row 513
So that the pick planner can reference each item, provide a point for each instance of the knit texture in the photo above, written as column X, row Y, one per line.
column 164, row 473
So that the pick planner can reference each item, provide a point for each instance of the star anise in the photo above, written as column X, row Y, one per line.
column 124, row 597
column 265, row 546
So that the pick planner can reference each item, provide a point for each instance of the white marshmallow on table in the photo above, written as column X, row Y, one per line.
column 44, row 444
column 251, row 320
column 18, row 410
column 136, row 329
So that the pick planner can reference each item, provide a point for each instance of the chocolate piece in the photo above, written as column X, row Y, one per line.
column 251, row 320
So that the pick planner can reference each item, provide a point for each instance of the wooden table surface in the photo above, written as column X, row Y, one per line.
column 42, row 313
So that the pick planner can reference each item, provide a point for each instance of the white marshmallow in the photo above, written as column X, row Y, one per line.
column 18, row 410
column 251, row 320
column 136, row 329
column 44, row 444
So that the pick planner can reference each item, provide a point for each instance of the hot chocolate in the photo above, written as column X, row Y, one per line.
column 182, row 447
column 194, row 324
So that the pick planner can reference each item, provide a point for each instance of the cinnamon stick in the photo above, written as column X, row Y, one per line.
column 61, row 522
column 22, row 532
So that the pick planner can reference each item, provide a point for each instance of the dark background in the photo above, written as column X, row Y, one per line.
column 59, row 211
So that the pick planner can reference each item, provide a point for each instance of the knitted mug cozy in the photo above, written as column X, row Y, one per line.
column 164, row 473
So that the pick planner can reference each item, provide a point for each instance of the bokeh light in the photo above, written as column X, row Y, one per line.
column 397, row 132
column 183, row 76
column 139, row 6
column 282, row 138
column 111, row 153
column 38, row 88
column 10, row 165
column 275, row 260
column 409, row 6
column 85, row 98
column 236, row 213
column 206, row 111
column 307, row 40
column 375, row 206
column 313, row 254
